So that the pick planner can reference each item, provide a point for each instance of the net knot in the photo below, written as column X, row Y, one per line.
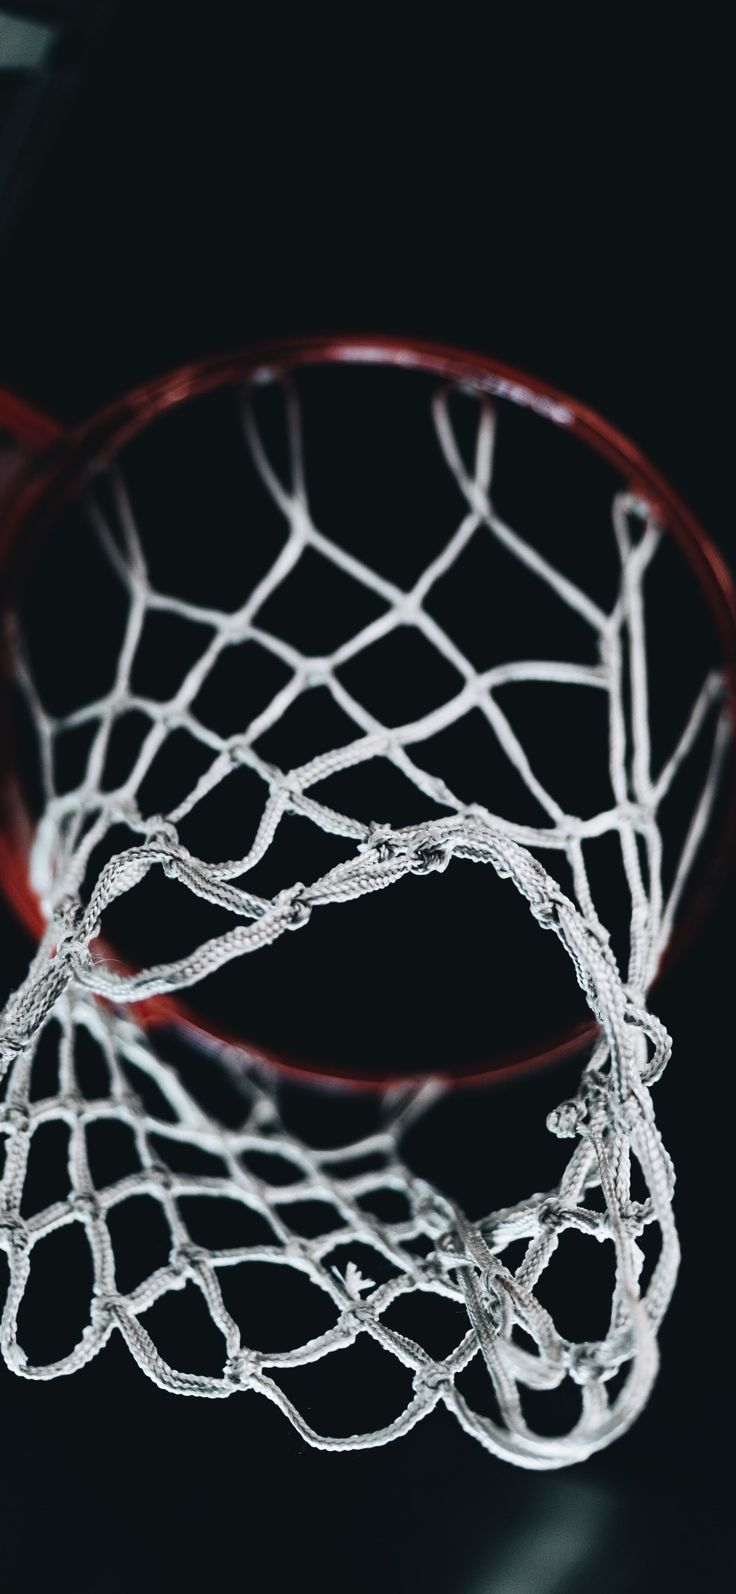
column 85, row 1204
column 436, row 1219
column 72, row 1104
column 639, row 1018
column 431, row 855
column 298, row 908
column 186, row 1259
column 105, row 1307
column 432, row 1380
column 79, row 958
column 160, row 1173
column 593, row 1098
column 14, row 1115
column 67, row 917
column 13, row 1044
column 582, row 1112
column 163, row 837
column 381, row 841
column 13, row 1235
column 318, row 673
column 587, row 1363
column 566, row 1121
column 627, row 1113
column 243, row 1369
column 356, row 1316
column 550, row 1217
column 129, row 1102
column 546, row 909
column 160, row 832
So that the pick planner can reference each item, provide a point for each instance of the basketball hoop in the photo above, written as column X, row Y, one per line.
column 193, row 799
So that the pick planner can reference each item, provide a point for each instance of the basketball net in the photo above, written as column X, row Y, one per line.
column 604, row 1131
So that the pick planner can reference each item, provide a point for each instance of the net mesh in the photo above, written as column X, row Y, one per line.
column 433, row 1248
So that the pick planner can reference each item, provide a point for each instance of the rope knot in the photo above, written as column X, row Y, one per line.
column 436, row 1218
column 355, row 1317
column 162, row 834
column 432, row 1380
column 13, row 1044
column 185, row 1259
column 162, row 1174
column 432, row 855
column 381, row 842
column 243, row 1368
column 15, row 1115
column 73, row 1103
column 105, row 1307
column 566, row 1120
column 627, row 1113
column 587, row 1364
column 549, row 1217
column 298, row 908
column 13, row 1235
column 67, row 917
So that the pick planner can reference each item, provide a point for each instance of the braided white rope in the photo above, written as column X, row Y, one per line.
column 611, row 1118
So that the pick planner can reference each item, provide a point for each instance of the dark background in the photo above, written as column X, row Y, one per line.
column 190, row 183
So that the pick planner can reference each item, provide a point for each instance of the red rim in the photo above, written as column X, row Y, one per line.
column 60, row 461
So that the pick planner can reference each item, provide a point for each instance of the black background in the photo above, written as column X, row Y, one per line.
column 561, row 203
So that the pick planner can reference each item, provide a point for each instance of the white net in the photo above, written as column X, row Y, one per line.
column 433, row 1248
